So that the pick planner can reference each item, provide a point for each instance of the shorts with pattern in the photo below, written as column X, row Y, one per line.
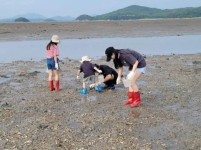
column 90, row 79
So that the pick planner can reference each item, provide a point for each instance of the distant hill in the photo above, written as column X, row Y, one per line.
column 32, row 17
column 21, row 19
column 141, row 12
column 128, row 13
column 84, row 17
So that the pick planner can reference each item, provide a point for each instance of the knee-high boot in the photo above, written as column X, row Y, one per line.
column 51, row 86
column 130, row 98
column 137, row 99
column 57, row 86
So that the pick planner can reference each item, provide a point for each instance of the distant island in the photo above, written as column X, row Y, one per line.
column 129, row 13
column 140, row 12
column 21, row 19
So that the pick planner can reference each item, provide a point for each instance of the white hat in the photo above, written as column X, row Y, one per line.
column 85, row 58
column 55, row 39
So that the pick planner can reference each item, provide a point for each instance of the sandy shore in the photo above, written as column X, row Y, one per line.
column 98, row 29
column 32, row 117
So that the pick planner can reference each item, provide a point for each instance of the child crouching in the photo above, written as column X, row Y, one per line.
column 89, row 71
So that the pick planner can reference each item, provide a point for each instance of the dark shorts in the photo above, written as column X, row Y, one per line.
column 51, row 64
column 112, row 82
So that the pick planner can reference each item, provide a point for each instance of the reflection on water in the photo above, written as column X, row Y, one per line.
column 76, row 48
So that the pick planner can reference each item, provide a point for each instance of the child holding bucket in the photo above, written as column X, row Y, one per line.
column 137, row 66
column 89, row 71
column 52, row 53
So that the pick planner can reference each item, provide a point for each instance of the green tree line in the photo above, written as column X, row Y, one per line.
column 140, row 12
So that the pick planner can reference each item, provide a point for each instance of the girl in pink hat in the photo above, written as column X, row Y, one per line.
column 52, row 53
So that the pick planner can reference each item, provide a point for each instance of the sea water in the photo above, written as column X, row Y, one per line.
column 95, row 47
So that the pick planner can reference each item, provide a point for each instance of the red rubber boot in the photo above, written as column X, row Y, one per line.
column 51, row 86
column 130, row 99
column 137, row 99
column 57, row 86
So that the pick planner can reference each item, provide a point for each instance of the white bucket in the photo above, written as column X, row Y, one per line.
column 126, row 82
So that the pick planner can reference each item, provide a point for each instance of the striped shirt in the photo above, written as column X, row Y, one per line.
column 54, row 50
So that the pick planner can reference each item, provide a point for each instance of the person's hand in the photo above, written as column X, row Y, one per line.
column 131, row 75
column 78, row 77
column 99, row 82
column 118, row 80
column 99, row 71
column 57, row 66
column 91, row 86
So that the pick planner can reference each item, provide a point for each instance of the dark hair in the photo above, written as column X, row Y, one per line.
column 49, row 45
column 116, row 61
column 97, row 66
column 109, row 50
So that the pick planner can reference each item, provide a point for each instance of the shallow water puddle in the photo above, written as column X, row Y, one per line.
column 95, row 47
column 3, row 80
column 188, row 115
column 86, row 98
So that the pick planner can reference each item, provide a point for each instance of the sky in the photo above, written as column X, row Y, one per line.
column 74, row 8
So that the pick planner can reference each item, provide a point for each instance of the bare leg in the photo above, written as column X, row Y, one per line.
column 84, row 85
column 134, row 87
column 108, row 77
column 50, row 75
column 56, row 73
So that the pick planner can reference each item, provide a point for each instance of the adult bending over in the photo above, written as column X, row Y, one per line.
column 110, row 76
column 137, row 65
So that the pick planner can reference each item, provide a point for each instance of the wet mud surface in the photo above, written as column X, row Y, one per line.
column 100, row 29
column 33, row 118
